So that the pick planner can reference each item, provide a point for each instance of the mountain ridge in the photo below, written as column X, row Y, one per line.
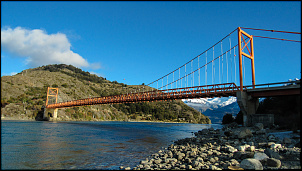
column 24, row 94
column 215, row 108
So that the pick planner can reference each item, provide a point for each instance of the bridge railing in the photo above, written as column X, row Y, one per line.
column 278, row 84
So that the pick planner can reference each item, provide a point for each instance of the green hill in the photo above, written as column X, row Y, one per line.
column 24, row 94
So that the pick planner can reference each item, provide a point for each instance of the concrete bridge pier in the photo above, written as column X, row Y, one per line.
column 47, row 117
column 55, row 114
column 248, row 105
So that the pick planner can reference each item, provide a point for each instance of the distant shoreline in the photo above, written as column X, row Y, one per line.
column 27, row 119
column 16, row 119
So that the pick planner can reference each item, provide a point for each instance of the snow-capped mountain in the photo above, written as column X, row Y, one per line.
column 215, row 108
column 210, row 103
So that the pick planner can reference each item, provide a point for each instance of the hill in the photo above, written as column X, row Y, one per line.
column 24, row 94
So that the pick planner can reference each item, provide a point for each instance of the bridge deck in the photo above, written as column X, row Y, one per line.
column 274, row 91
column 216, row 90
column 228, row 89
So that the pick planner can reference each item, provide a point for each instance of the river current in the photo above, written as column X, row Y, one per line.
column 103, row 145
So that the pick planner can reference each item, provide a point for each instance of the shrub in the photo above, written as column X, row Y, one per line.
column 239, row 118
column 64, row 85
column 227, row 118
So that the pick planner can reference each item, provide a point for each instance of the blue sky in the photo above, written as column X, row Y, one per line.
column 139, row 42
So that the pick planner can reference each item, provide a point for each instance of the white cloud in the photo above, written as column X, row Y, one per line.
column 11, row 74
column 40, row 48
column 98, row 74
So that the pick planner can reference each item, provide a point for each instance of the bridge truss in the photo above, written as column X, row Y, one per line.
column 228, row 89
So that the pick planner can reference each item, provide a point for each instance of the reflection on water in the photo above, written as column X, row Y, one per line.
column 86, row 145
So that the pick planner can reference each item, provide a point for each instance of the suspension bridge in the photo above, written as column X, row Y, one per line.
column 206, row 75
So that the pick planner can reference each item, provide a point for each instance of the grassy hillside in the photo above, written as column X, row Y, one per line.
column 24, row 94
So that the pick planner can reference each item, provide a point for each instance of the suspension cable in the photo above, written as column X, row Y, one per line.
column 235, row 66
column 219, row 69
column 272, row 30
column 206, row 69
column 202, row 66
column 193, row 73
column 173, row 79
column 196, row 56
column 277, row 38
column 226, row 58
column 167, row 81
column 221, row 64
column 213, row 69
column 186, row 74
column 162, row 83
column 198, row 73
column 179, row 75
column 234, row 49
column 231, row 60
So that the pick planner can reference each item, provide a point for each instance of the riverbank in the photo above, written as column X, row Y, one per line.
column 232, row 147
column 23, row 118
column 17, row 118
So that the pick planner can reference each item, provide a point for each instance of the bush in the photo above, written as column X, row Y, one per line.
column 40, row 102
column 239, row 118
column 64, row 85
column 227, row 118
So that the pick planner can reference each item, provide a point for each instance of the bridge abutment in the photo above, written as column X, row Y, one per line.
column 248, row 106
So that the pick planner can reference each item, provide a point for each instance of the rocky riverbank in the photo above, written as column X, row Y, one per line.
column 232, row 147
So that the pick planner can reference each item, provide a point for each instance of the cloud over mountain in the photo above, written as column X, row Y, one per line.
column 40, row 48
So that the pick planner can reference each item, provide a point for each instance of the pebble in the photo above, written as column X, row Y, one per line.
column 244, row 148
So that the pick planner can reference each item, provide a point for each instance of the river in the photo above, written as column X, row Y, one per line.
column 103, row 145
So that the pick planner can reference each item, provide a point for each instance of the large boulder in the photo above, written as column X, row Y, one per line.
column 204, row 132
column 258, row 126
column 272, row 162
column 245, row 133
column 251, row 163
column 272, row 154
column 260, row 156
column 180, row 156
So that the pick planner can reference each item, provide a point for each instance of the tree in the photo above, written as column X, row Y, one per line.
column 132, row 108
column 227, row 118
column 239, row 118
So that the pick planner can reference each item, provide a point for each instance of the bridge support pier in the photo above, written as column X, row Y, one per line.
column 46, row 116
column 248, row 106
column 55, row 114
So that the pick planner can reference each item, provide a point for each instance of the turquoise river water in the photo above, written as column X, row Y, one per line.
column 86, row 145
